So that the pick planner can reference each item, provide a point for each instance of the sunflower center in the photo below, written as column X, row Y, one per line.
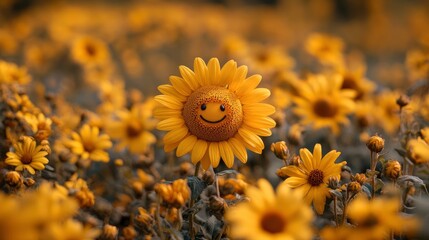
column 369, row 222
column 315, row 178
column 273, row 222
column 350, row 82
column 134, row 128
column 213, row 113
column 325, row 108
column 26, row 158
column 90, row 49
column 89, row 146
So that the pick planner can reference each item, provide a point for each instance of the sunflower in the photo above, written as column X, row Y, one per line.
column 132, row 128
column 89, row 51
column 312, row 175
column 270, row 215
column 11, row 73
column 327, row 49
column 27, row 156
column 376, row 218
column 322, row 103
column 88, row 144
column 214, row 113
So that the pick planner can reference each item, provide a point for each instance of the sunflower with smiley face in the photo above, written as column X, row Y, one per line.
column 214, row 113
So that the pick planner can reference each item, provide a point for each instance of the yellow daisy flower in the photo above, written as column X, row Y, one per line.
column 88, row 144
column 322, row 103
column 27, row 156
column 270, row 215
column 11, row 73
column 376, row 218
column 418, row 150
column 312, row 175
column 89, row 51
column 132, row 128
column 214, row 113
column 387, row 111
column 327, row 49
column 355, row 80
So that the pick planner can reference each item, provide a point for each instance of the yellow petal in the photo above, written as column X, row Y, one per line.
column 227, row 72
column 175, row 135
column 256, row 95
column 249, row 84
column 238, row 149
column 186, row 145
column 226, row 153
column 214, row 71
column 170, row 124
column 189, row 77
column 200, row 69
column 214, row 154
column 198, row 151
column 251, row 139
column 180, row 85
column 169, row 102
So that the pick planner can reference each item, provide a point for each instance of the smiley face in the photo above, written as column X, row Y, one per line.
column 212, row 112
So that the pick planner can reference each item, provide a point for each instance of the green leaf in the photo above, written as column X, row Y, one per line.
column 196, row 185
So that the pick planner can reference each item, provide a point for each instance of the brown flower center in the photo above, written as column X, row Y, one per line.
column 213, row 113
column 90, row 49
column 26, row 158
column 325, row 108
column 273, row 222
column 89, row 146
column 349, row 82
column 369, row 222
column 134, row 128
column 315, row 178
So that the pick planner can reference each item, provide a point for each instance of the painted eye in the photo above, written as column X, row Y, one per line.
column 203, row 106
column 222, row 107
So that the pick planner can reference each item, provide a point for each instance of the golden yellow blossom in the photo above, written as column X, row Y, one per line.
column 312, row 175
column 270, row 215
column 11, row 73
column 89, row 51
column 175, row 194
column 27, row 155
column 89, row 144
column 215, row 113
column 327, row 49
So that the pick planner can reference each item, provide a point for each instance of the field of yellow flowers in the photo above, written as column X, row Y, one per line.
column 214, row 120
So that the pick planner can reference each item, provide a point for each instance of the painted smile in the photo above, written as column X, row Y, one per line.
column 218, row 121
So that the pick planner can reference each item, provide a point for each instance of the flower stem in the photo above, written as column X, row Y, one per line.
column 191, row 204
column 335, row 211
column 158, row 218
column 345, row 203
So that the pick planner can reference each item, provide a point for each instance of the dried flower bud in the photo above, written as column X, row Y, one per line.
column 137, row 188
column 143, row 217
column 85, row 198
column 208, row 177
column 346, row 173
column 403, row 101
column 354, row 187
column 129, row 233
column 13, row 179
column 29, row 182
column 280, row 150
column 294, row 135
column 375, row 144
column 109, row 232
column 360, row 178
column 296, row 161
column 217, row 205
column 392, row 169
column 45, row 146
column 333, row 183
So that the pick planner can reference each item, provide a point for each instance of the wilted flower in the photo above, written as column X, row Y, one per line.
column 175, row 194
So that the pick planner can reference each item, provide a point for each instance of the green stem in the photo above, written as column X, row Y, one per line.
column 191, row 204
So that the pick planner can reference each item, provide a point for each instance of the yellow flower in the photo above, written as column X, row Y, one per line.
column 355, row 80
column 418, row 150
column 268, row 60
column 327, row 49
column 132, row 128
column 376, row 218
column 88, row 144
column 81, row 191
column 214, row 113
column 386, row 111
column 10, row 73
column 27, row 156
column 89, row 51
column 312, row 175
column 322, row 102
column 175, row 194
column 417, row 62
column 71, row 229
column 270, row 215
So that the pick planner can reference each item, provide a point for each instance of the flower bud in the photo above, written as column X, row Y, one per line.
column 360, row 178
column 129, row 232
column 354, row 187
column 280, row 150
column 375, row 144
column 392, row 169
column 13, row 179
column 403, row 101
column 109, row 232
